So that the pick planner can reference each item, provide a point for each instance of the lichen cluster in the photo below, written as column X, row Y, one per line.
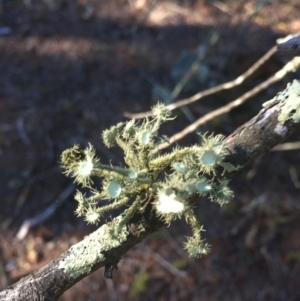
column 169, row 182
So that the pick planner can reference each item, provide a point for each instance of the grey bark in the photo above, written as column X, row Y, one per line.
column 289, row 48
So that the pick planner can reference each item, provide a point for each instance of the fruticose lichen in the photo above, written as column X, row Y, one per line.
column 170, row 183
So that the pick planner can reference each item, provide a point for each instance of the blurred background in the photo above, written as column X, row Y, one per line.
column 71, row 68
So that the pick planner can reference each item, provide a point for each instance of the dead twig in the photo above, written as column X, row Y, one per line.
column 287, row 146
column 289, row 67
column 28, row 223
column 167, row 265
column 24, row 194
column 22, row 133
column 225, row 86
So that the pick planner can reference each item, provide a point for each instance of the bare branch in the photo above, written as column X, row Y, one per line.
column 225, row 86
column 291, row 66
column 289, row 46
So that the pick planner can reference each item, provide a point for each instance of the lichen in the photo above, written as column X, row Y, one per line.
column 169, row 183
column 289, row 102
column 84, row 255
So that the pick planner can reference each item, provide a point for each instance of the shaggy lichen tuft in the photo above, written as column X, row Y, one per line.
column 170, row 183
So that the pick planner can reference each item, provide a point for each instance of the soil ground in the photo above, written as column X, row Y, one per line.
column 70, row 69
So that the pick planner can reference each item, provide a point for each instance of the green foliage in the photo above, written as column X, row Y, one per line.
column 294, row 256
column 139, row 284
column 181, row 263
column 169, row 182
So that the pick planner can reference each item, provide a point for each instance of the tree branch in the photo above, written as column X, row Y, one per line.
column 273, row 124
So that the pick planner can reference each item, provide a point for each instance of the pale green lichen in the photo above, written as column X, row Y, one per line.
column 203, row 186
column 84, row 255
column 114, row 189
column 170, row 183
column 289, row 102
column 168, row 203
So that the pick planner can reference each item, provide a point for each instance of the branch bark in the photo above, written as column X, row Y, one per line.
column 251, row 140
column 290, row 47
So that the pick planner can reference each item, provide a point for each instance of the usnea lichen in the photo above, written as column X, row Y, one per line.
column 170, row 183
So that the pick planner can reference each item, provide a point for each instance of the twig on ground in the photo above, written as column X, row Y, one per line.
column 294, row 177
column 24, row 193
column 167, row 265
column 111, row 290
column 22, row 133
column 173, row 242
column 28, row 223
